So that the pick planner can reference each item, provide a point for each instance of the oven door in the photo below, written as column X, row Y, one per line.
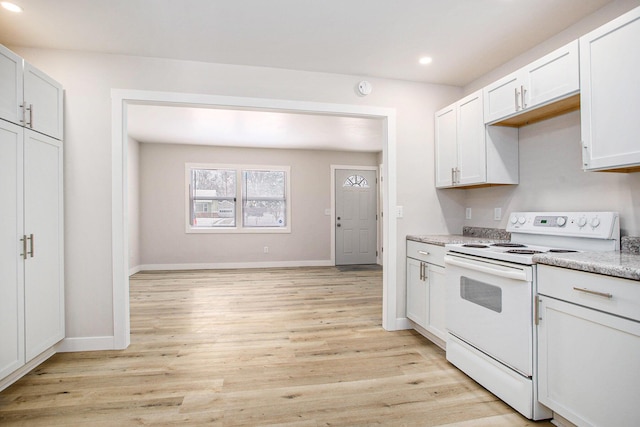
column 489, row 306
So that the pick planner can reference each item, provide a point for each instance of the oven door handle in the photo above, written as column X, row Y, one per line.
column 501, row 272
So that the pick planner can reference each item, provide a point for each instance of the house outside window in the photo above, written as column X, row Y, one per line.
column 213, row 193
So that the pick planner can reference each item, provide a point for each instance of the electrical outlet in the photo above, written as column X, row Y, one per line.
column 497, row 214
column 266, row 249
column 467, row 214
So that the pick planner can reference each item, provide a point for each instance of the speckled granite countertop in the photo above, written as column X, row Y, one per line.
column 625, row 265
column 469, row 235
column 445, row 239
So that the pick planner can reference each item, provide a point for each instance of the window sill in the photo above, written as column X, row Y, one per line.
column 238, row 230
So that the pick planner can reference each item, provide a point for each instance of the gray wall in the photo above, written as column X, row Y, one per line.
column 162, row 212
column 88, row 79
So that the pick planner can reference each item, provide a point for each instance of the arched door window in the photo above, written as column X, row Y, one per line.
column 356, row 181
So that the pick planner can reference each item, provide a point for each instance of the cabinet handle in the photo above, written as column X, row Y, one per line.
column 457, row 176
column 589, row 291
column 423, row 253
column 30, row 110
column 517, row 96
column 523, row 91
column 453, row 176
column 24, row 247
column 30, row 238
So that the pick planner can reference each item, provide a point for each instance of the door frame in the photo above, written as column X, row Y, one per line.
column 333, row 207
column 121, row 98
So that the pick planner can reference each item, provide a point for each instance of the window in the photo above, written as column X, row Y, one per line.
column 356, row 181
column 214, row 192
column 264, row 202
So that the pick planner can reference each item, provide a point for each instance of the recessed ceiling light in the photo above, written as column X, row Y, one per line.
column 11, row 7
column 425, row 60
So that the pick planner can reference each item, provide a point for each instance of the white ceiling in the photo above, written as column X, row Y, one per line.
column 264, row 129
column 368, row 38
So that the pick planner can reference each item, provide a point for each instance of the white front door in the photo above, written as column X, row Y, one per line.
column 356, row 216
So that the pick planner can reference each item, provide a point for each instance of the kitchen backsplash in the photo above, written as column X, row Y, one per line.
column 487, row 233
column 630, row 244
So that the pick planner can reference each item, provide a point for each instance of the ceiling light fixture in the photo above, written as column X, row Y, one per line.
column 11, row 6
column 425, row 60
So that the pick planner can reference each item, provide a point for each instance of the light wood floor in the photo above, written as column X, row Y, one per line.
column 288, row 347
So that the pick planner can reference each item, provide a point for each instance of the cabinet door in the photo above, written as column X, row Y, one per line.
column 417, row 293
column 44, row 296
column 610, row 94
column 43, row 100
column 554, row 76
column 588, row 365
column 502, row 98
column 446, row 146
column 11, row 271
column 10, row 86
column 472, row 158
column 437, row 301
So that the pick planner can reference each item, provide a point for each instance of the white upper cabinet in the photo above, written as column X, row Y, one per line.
column 10, row 86
column 610, row 95
column 467, row 152
column 553, row 77
column 43, row 102
column 28, row 97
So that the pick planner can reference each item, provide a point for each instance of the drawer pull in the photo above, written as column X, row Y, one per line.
column 423, row 253
column 589, row 291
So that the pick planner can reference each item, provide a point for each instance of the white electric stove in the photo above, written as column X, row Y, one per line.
column 491, row 304
column 540, row 232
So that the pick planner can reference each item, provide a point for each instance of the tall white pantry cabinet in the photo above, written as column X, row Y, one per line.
column 31, row 217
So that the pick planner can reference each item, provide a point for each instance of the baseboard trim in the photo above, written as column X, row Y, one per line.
column 69, row 345
column 26, row 368
column 134, row 270
column 401, row 324
column 229, row 265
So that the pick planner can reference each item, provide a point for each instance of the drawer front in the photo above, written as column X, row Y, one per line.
column 432, row 254
column 609, row 294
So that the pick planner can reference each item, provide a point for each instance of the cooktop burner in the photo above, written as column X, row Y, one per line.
column 524, row 251
column 474, row 245
column 509, row 245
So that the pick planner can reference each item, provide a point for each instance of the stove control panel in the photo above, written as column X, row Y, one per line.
column 596, row 225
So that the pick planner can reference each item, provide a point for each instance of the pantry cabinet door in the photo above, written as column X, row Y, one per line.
column 43, row 102
column 11, row 271
column 10, row 86
column 44, row 289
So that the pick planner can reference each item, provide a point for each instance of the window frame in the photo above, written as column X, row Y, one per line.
column 240, row 196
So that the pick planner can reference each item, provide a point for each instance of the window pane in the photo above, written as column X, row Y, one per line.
column 213, row 202
column 264, row 202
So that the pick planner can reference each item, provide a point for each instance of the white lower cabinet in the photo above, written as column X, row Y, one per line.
column 426, row 289
column 31, row 247
column 588, row 347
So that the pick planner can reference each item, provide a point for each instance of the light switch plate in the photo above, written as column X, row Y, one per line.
column 399, row 211
column 497, row 214
column 467, row 214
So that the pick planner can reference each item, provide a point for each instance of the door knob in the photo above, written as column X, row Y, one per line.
column 337, row 225
column 338, row 218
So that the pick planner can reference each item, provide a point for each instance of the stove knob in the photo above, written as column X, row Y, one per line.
column 514, row 219
column 595, row 222
column 561, row 221
column 521, row 219
column 582, row 222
